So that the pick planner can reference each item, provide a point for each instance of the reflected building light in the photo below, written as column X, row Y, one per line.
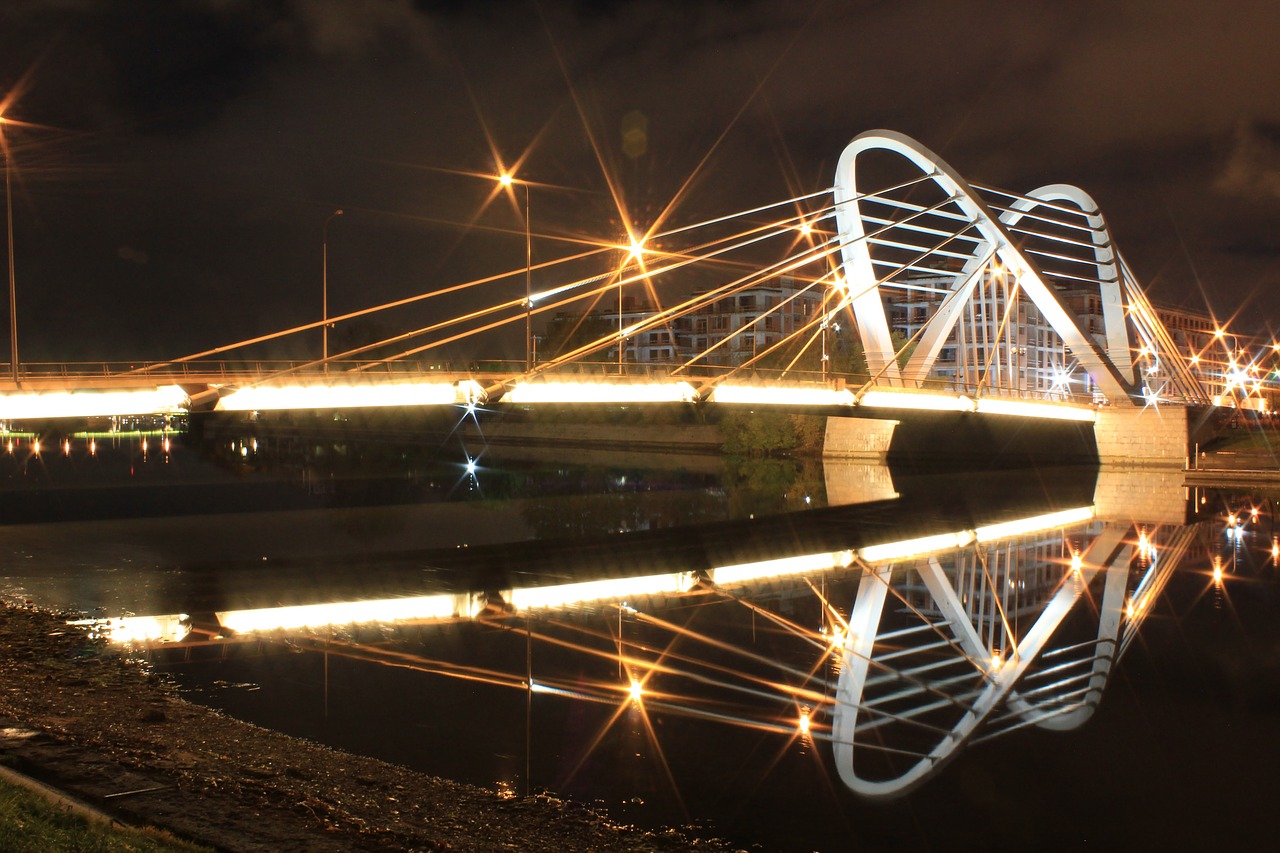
column 345, row 396
column 35, row 446
column 66, row 446
column 1217, row 571
column 745, row 572
column 600, row 392
column 772, row 395
column 168, row 399
column 635, row 690
column 1275, row 550
column 562, row 595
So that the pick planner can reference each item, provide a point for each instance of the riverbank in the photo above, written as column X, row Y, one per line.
column 80, row 716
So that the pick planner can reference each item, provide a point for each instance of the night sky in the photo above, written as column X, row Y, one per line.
column 183, row 155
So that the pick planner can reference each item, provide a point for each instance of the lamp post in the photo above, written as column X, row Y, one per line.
column 507, row 179
column 324, row 292
column 13, row 290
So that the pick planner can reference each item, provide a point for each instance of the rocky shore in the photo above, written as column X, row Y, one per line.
column 81, row 716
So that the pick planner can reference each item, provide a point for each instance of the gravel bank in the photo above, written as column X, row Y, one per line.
column 81, row 716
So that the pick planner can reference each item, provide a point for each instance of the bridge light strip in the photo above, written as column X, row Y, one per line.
column 765, row 395
column 1008, row 529
column 448, row 606
column 925, row 401
column 1028, row 409
column 600, row 392
column 916, row 400
column 345, row 396
column 346, row 613
column 744, row 572
column 167, row 399
column 561, row 595
column 893, row 551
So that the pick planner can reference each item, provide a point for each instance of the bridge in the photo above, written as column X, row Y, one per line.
column 903, row 287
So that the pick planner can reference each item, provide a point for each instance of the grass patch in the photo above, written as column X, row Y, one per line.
column 1247, row 440
column 31, row 824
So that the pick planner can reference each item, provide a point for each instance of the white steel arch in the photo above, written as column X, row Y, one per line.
column 995, row 242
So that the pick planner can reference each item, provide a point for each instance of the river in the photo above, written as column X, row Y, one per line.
column 795, row 655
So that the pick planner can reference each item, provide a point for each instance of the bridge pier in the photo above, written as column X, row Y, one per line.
column 858, row 438
column 1150, row 436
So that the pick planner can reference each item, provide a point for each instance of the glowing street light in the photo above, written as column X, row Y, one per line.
column 325, row 289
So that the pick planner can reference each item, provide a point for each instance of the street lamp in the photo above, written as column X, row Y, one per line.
column 507, row 179
column 13, row 290
column 324, row 293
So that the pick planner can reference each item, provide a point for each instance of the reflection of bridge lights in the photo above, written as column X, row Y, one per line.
column 471, row 466
column 1217, row 571
column 1076, row 562
column 66, row 446
column 1275, row 550
column 803, row 722
column 635, row 690
column 35, row 447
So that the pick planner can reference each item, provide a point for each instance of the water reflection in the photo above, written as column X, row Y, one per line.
column 885, row 632
column 752, row 642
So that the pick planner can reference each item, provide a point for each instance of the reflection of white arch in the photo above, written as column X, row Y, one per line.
column 997, row 683
column 995, row 242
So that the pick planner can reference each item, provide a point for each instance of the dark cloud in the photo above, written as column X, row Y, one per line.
column 220, row 133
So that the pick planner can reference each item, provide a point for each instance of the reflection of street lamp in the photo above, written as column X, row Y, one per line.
column 325, row 290
column 13, row 291
column 507, row 179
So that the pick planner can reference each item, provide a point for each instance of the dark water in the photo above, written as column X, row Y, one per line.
column 1125, row 691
